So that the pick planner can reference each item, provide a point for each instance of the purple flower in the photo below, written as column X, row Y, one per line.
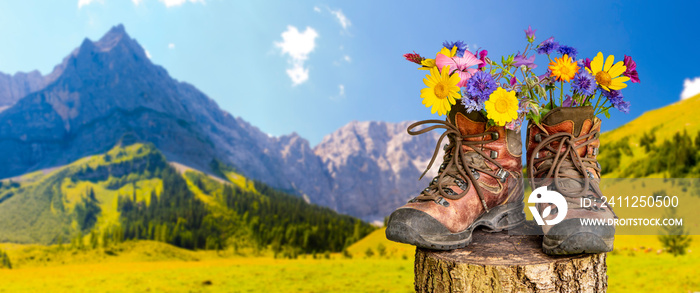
column 513, row 80
column 520, row 60
column 569, row 102
column 566, row 50
column 545, row 78
column 530, row 34
column 480, row 86
column 461, row 47
column 631, row 70
column 471, row 104
column 548, row 46
column 587, row 63
column 523, row 108
column 616, row 98
column 583, row 83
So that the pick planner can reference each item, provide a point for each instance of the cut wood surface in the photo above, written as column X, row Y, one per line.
column 508, row 262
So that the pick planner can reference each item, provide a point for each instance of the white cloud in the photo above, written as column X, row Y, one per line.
column 347, row 58
column 173, row 3
column 137, row 2
column 341, row 93
column 148, row 54
column 317, row 9
column 342, row 19
column 171, row 46
column 82, row 3
column 691, row 88
column 298, row 45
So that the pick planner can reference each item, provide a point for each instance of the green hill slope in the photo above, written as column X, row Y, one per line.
column 661, row 142
column 133, row 192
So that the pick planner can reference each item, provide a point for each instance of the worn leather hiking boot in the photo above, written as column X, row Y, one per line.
column 478, row 184
column 561, row 155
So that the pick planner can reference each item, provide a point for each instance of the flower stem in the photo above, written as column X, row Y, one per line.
column 561, row 96
column 598, row 102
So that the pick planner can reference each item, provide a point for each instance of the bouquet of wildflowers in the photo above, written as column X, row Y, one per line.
column 510, row 91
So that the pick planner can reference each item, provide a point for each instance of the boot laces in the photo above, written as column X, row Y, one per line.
column 456, row 168
column 566, row 168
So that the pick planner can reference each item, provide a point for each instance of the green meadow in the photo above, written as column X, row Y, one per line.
column 638, row 264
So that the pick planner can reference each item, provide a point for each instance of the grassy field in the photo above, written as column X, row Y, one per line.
column 146, row 266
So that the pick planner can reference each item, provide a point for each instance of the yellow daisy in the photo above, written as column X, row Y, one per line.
column 606, row 74
column 563, row 68
column 430, row 63
column 502, row 106
column 442, row 90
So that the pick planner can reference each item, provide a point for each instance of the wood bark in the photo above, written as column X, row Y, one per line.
column 508, row 262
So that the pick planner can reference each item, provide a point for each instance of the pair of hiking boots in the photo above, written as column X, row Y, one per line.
column 480, row 183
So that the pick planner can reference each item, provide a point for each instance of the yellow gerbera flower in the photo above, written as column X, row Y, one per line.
column 563, row 68
column 502, row 106
column 441, row 91
column 606, row 74
column 430, row 63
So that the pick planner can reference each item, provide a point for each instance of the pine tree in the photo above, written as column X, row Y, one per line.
column 675, row 239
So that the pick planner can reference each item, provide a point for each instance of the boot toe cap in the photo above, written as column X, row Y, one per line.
column 411, row 226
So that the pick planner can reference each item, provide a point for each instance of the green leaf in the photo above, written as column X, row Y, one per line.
column 607, row 114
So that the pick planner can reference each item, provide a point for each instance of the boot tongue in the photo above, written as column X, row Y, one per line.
column 575, row 115
column 467, row 122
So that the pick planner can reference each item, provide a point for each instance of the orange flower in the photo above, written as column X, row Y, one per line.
column 563, row 68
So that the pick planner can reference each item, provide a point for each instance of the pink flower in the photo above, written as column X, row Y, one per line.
column 414, row 57
column 482, row 56
column 460, row 65
column 631, row 70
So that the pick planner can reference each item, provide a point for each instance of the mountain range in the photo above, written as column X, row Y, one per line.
column 109, row 89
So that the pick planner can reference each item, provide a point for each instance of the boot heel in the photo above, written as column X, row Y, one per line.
column 505, row 217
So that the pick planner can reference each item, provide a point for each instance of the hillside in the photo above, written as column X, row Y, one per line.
column 133, row 192
column 660, row 143
column 108, row 88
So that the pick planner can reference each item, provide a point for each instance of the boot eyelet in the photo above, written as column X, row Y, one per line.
column 494, row 154
column 538, row 137
column 502, row 174
column 495, row 136
column 441, row 201
column 475, row 174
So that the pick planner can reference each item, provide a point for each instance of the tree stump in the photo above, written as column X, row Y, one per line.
column 508, row 262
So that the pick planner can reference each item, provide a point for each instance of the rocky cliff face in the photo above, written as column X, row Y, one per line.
column 107, row 89
column 375, row 166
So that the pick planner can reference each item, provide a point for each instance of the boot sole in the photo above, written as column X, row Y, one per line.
column 584, row 239
column 503, row 217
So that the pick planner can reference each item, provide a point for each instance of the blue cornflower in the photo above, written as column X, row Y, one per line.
column 566, row 50
column 583, row 83
column 471, row 104
column 480, row 86
column 615, row 97
column 548, row 46
column 461, row 47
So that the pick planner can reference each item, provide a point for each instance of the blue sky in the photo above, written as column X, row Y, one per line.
column 345, row 57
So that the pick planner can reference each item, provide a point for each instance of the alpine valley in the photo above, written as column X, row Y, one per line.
column 109, row 137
